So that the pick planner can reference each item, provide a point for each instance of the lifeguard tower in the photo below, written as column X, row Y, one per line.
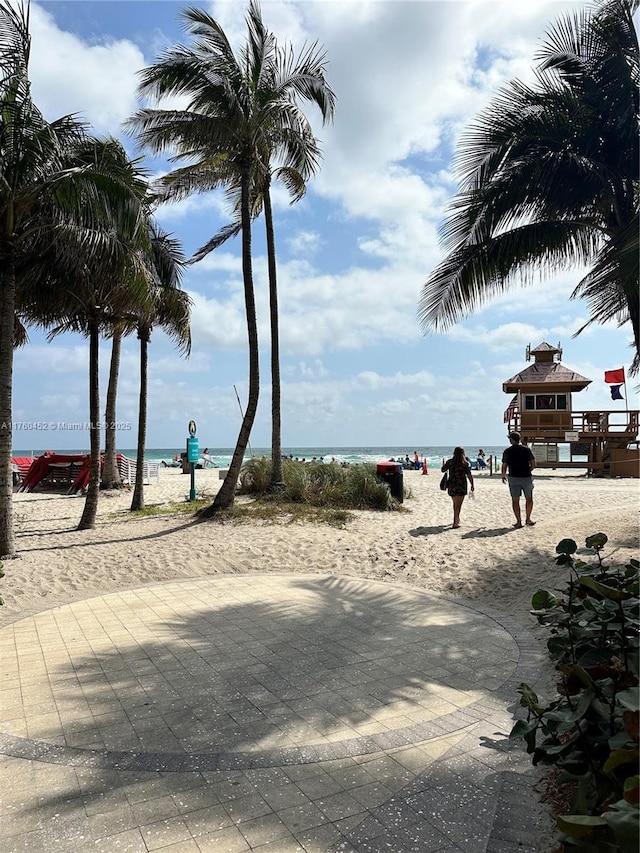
column 604, row 442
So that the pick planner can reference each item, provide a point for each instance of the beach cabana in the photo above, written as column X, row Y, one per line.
column 55, row 469
column 72, row 470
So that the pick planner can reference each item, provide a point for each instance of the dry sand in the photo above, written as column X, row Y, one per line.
column 486, row 559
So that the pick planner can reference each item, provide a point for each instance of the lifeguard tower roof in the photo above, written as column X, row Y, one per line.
column 546, row 371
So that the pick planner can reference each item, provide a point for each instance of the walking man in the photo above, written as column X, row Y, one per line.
column 517, row 464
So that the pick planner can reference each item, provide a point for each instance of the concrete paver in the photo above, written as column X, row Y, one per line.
column 265, row 713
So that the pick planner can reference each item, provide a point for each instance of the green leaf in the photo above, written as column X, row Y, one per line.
column 566, row 546
column 582, row 676
column 583, row 706
column 597, row 541
column 630, row 698
column 618, row 740
column 557, row 646
column 606, row 591
column 563, row 560
column 543, row 599
column 601, row 709
column 619, row 757
column 529, row 698
column 521, row 728
column 526, row 731
column 622, row 817
column 579, row 825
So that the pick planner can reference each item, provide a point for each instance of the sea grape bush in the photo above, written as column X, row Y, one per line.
column 590, row 730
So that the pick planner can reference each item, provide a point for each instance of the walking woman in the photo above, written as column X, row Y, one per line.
column 459, row 472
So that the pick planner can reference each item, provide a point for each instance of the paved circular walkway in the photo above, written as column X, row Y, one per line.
column 234, row 673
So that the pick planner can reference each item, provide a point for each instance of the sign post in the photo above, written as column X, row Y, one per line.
column 193, row 452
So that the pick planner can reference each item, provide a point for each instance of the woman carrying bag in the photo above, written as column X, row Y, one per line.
column 459, row 471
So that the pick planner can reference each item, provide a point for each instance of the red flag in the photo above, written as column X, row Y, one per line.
column 614, row 376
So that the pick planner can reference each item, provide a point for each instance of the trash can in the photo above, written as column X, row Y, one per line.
column 186, row 465
column 391, row 474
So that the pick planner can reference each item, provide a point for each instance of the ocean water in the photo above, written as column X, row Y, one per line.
column 221, row 456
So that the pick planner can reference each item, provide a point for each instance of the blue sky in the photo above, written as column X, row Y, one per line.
column 353, row 255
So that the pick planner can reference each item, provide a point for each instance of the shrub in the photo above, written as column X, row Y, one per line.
column 590, row 730
column 317, row 484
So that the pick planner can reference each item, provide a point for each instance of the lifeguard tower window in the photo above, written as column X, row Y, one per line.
column 556, row 402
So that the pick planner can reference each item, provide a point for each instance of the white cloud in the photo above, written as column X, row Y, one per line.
column 354, row 254
column 304, row 243
column 70, row 76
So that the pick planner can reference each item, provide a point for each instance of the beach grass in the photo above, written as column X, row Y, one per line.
column 316, row 484
column 272, row 509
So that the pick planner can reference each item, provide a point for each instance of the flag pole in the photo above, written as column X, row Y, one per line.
column 626, row 396
column 242, row 413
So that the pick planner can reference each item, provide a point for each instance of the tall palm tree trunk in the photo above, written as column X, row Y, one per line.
column 138, row 491
column 88, row 520
column 224, row 499
column 276, row 419
column 110, row 474
column 7, row 310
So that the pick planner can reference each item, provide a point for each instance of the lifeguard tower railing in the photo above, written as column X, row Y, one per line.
column 604, row 442
column 590, row 424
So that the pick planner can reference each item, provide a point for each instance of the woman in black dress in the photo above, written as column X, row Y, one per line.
column 459, row 472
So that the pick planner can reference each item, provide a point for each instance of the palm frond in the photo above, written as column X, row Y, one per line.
column 224, row 234
column 474, row 273
column 549, row 178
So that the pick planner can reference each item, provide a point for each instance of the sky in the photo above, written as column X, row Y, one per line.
column 353, row 255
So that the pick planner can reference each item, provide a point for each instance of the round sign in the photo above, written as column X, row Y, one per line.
column 192, row 428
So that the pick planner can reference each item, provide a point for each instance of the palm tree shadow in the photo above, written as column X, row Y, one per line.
column 487, row 532
column 230, row 672
column 428, row 531
column 159, row 534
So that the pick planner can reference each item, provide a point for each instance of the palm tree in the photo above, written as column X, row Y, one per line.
column 111, row 478
column 91, row 276
column 169, row 308
column 550, row 179
column 296, row 185
column 287, row 140
column 40, row 184
column 241, row 110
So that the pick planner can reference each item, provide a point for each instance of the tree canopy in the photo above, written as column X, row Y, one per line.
column 549, row 179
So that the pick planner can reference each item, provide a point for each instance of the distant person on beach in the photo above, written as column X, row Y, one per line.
column 481, row 461
column 517, row 464
column 206, row 457
column 459, row 472
column 175, row 462
column 416, row 460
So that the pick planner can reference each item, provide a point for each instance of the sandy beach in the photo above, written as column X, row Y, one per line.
column 311, row 730
column 485, row 560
